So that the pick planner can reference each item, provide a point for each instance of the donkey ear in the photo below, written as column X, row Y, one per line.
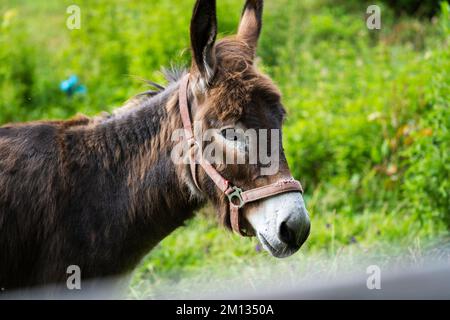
column 251, row 22
column 203, row 37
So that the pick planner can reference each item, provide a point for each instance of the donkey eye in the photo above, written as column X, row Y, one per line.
column 229, row 134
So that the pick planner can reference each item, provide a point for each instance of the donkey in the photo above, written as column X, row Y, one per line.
column 101, row 192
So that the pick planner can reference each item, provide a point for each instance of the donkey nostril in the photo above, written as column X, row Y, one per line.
column 286, row 234
column 294, row 230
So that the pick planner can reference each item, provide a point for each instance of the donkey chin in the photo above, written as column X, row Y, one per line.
column 281, row 224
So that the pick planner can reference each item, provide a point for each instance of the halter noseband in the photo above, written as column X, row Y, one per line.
column 236, row 196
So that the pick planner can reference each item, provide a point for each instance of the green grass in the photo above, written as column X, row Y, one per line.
column 367, row 131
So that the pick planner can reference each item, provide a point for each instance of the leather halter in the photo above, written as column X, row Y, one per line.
column 236, row 196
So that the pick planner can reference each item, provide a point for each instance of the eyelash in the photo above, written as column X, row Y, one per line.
column 226, row 136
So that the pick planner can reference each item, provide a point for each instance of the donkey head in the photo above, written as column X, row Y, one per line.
column 243, row 109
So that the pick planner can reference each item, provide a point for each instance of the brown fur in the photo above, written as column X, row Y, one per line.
column 100, row 193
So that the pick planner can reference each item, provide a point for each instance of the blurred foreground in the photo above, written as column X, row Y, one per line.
column 420, row 273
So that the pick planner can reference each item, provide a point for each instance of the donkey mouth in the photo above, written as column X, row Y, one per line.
column 284, row 252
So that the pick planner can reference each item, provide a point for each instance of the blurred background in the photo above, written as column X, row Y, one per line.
column 367, row 131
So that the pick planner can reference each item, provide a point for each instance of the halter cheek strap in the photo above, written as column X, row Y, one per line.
column 237, row 198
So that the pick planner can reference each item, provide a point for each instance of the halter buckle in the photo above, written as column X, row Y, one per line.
column 237, row 193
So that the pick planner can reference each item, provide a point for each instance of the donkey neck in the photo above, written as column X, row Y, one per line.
column 135, row 145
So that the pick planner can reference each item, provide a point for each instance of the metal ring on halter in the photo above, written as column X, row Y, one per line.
column 237, row 193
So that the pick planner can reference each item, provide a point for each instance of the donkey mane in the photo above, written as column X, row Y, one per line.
column 149, row 98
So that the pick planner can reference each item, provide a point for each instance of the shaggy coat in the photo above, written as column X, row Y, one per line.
column 100, row 193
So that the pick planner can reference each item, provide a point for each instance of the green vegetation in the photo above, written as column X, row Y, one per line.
column 418, row 7
column 367, row 131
